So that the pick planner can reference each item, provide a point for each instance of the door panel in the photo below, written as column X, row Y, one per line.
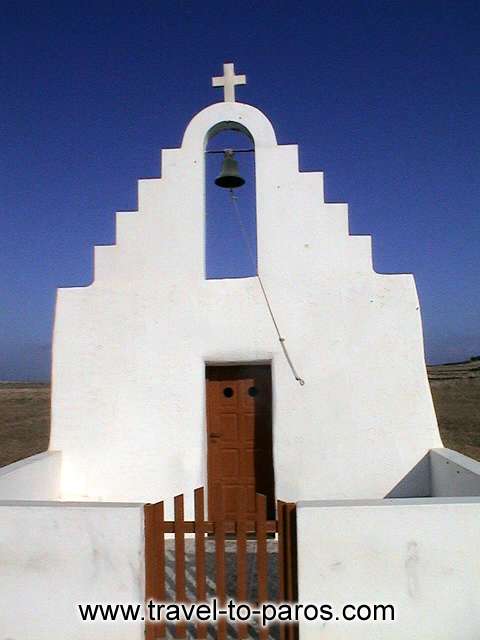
column 239, row 433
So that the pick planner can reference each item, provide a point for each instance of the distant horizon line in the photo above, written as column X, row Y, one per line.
column 49, row 381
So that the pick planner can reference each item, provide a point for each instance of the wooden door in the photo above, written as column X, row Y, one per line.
column 239, row 434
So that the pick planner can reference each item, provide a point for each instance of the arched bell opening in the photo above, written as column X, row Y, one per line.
column 230, row 203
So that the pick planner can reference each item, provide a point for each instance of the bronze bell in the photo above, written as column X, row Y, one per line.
column 229, row 177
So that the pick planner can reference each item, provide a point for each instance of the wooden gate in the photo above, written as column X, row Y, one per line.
column 229, row 579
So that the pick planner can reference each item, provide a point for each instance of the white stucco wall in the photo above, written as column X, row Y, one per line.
column 129, row 351
column 420, row 555
column 34, row 478
column 55, row 555
column 453, row 474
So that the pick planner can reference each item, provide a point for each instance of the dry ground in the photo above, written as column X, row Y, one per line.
column 456, row 396
column 25, row 420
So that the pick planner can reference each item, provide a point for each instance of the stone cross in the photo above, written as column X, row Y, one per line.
column 228, row 81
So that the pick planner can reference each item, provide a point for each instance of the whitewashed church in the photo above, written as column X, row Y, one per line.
column 132, row 351
column 305, row 382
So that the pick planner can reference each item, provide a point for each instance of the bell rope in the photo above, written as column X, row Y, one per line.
column 257, row 275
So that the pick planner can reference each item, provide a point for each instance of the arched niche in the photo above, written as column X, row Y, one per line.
column 230, row 126
column 232, row 114
column 230, row 225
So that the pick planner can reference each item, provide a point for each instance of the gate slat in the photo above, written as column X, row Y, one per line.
column 180, row 629
column 220, row 562
column 154, row 563
column 282, row 596
column 291, row 562
column 291, row 556
column 262, row 558
column 242, row 627
column 200, row 571
column 151, row 561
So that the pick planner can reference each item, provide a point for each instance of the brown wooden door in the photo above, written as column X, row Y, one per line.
column 239, row 433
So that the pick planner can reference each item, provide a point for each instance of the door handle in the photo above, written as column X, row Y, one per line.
column 215, row 435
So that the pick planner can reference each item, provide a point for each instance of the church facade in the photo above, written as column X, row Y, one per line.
column 164, row 381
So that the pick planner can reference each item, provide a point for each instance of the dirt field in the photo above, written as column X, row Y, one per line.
column 25, row 420
column 456, row 395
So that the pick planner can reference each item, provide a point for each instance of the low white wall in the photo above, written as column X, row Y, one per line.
column 55, row 555
column 35, row 478
column 453, row 474
column 421, row 555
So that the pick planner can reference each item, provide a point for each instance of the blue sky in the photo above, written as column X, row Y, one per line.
column 382, row 96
